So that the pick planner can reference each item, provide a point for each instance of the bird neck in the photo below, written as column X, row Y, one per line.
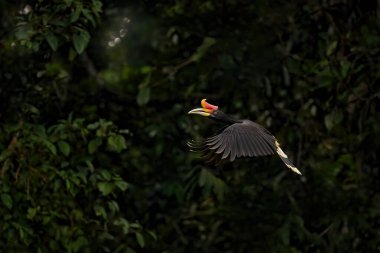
column 222, row 117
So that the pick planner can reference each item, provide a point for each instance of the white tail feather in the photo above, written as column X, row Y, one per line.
column 286, row 160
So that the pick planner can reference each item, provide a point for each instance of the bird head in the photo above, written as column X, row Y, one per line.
column 207, row 109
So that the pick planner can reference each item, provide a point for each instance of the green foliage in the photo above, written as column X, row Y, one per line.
column 58, row 22
column 72, row 195
column 118, row 177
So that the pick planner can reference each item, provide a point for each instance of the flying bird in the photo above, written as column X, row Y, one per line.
column 239, row 139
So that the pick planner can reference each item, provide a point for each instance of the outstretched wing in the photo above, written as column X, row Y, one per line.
column 245, row 139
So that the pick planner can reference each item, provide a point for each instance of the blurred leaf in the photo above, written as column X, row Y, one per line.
column 331, row 48
column 75, row 15
column 64, row 147
column 79, row 243
column 81, row 40
column 345, row 68
column 31, row 213
column 100, row 211
column 105, row 187
column 143, row 95
column 94, row 144
column 52, row 40
column 50, row 146
column 152, row 234
column 333, row 118
column 122, row 223
column 116, row 143
column 140, row 239
column 122, row 185
column 88, row 15
column 23, row 32
column 203, row 48
column 7, row 200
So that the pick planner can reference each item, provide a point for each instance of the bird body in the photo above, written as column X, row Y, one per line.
column 241, row 138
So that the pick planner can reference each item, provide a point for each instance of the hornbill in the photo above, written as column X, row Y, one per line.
column 240, row 138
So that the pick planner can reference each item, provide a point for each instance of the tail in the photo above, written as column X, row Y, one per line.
column 286, row 160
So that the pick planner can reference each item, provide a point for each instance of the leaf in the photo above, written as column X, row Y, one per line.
column 100, row 211
column 24, row 32
column 93, row 126
column 50, row 146
column 347, row 159
column 203, row 48
column 105, row 187
column 106, row 175
column 31, row 213
column 122, row 223
column 140, row 239
column 76, row 14
column 152, row 234
column 81, row 40
column 284, row 233
column 143, row 96
column 202, row 178
column 113, row 206
column 93, row 145
column 97, row 6
column 64, row 147
column 52, row 41
column 219, row 188
column 72, row 54
column 345, row 67
column 116, row 143
column 122, row 185
column 88, row 15
column 333, row 118
column 78, row 244
column 7, row 200
column 331, row 48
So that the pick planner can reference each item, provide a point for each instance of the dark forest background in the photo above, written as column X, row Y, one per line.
column 94, row 98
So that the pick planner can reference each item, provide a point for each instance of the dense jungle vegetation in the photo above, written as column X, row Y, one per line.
column 94, row 96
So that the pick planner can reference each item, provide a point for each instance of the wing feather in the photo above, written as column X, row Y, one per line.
column 233, row 144
column 240, row 142
column 263, row 145
column 227, row 150
column 252, row 146
column 245, row 139
column 222, row 146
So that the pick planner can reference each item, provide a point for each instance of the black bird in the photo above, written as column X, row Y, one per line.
column 240, row 138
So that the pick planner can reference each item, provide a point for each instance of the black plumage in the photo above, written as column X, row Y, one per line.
column 241, row 138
